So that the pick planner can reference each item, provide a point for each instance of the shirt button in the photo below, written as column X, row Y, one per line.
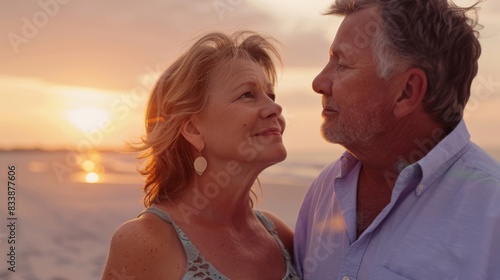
column 345, row 278
column 420, row 187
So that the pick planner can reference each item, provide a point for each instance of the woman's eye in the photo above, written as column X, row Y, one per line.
column 272, row 96
column 247, row 94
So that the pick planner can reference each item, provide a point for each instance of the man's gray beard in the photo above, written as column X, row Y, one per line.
column 362, row 131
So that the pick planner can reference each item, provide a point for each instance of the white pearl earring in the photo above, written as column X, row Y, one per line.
column 200, row 164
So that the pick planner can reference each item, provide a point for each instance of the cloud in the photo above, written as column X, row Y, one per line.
column 306, row 49
column 107, row 44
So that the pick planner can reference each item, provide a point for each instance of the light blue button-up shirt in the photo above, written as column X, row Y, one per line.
column 443, row 220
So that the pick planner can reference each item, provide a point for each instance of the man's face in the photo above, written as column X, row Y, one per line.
column 356, row 102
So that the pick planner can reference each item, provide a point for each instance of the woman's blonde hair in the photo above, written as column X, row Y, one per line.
column 181, row 92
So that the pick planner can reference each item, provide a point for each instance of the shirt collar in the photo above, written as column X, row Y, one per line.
column 442, row 156
column 347, row 163
column 432, row 165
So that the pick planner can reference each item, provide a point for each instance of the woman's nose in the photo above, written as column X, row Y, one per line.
column 272, row 109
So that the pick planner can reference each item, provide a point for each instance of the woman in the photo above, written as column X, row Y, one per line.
column 212, row 126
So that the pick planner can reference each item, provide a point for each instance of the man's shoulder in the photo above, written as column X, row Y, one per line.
column 481, row 163
column 475, row 177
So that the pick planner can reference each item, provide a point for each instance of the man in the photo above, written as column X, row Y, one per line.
column 412, row 198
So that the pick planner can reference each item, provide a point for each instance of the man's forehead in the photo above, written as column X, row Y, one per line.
column 362, row 19
column 356, row 32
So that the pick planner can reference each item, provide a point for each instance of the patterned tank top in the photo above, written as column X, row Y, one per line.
column 200, row 269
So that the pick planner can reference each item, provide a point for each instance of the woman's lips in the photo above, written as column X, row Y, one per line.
column 269, row 132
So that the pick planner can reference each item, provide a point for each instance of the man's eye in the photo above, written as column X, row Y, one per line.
column 340, row 67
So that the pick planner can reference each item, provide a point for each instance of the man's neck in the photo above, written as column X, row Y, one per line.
column 385, row 157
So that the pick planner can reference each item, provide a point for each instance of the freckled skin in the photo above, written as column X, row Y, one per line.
column 241, row 120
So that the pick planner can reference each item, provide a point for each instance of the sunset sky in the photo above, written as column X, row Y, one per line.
column 75, row 72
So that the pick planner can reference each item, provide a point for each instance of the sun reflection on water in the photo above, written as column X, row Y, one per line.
column 92, row 167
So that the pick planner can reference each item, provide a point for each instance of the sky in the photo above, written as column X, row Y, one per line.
column 77, row 73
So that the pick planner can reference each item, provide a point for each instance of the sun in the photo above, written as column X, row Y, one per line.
column 87, row 118
column 91, row 177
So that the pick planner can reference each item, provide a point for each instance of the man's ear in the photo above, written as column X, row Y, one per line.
column 412, row 93
column 191, row 132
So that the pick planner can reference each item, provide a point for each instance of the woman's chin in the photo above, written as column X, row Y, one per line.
column 278, row 156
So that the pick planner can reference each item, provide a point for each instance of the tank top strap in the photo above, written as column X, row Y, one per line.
column 160, row 213
column 269, row 225
column 197, row 266
column 291, row 273
column 266, row 222
column 191, row 251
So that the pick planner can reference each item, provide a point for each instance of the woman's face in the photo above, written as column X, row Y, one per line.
column 242, row 122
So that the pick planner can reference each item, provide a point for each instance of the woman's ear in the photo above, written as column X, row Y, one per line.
column 191, row 132
column 412, row 93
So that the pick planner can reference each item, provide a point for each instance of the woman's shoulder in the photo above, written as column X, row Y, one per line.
column 147, row 229
column 146, row 247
